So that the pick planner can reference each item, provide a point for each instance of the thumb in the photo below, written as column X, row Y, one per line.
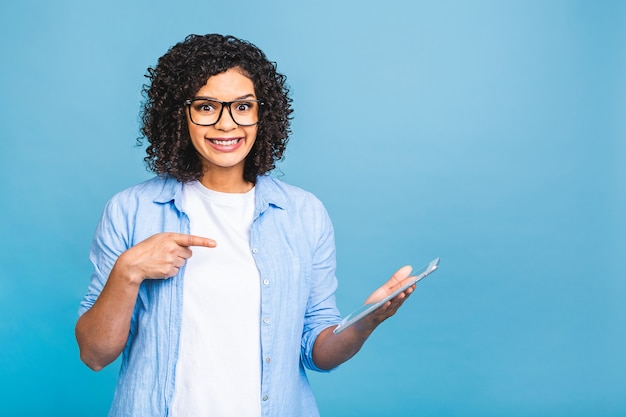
column 400, row 275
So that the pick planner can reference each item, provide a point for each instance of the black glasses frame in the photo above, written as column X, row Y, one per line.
column 225, row 104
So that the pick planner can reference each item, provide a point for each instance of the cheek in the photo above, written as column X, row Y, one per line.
column 251, row 135
column 196, row 134
column 254, row 132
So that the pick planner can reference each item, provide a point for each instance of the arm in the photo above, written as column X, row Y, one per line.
column 331, row 350
column 103, row 330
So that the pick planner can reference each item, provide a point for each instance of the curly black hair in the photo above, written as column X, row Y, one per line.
column 180, row 73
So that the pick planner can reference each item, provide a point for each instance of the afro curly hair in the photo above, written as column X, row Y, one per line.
column 179, row 74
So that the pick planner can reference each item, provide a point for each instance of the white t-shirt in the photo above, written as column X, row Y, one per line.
column 219, row 364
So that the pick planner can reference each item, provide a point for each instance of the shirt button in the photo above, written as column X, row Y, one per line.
column 266, row 320
column 266, row 282
column 265, row 397
column 254, row 250
column 267, row 360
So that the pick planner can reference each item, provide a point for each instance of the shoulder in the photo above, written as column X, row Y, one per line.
column 286, row 196
column 160, row 189
column 300, row 210
column 157, row 188
column 140, row 211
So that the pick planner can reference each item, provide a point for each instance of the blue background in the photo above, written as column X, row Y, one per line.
column 489, row 133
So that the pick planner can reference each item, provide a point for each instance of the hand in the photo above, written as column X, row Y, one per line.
column 160, row 256
column 399, row 278
column 332, row 349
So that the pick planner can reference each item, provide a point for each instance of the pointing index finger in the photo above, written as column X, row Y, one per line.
column 192, row 240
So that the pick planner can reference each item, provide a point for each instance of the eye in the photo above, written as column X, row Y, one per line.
column 205, row 106
column 243, row 106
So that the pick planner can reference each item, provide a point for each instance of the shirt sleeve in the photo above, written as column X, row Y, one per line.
column 108, row 244
column 321, row 311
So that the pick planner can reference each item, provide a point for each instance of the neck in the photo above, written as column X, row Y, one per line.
column 225, row 183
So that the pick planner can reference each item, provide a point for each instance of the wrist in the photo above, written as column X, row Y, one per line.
column 126, row 272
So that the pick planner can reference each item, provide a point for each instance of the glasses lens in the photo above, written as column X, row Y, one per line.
column 245, row 112
column 207, row 112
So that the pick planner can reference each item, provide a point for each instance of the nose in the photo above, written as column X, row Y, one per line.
column 225, row 121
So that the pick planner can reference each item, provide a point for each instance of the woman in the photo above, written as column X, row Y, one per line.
column 229, row 330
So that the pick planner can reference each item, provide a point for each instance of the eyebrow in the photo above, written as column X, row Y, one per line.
column 251, row 95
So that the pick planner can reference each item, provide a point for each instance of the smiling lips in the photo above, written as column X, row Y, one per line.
column 226, row 145
column 225, row 142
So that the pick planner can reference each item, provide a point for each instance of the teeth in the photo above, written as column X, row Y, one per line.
column 225, row 142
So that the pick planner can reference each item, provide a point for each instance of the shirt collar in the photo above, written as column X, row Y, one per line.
column 170, row 192
column 267, row 193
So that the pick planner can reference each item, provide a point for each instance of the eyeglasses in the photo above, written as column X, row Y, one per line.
column 206, row 112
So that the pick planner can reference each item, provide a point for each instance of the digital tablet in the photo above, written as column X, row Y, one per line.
column 366, row 309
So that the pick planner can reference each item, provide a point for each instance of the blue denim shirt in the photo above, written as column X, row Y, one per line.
column 292, row 242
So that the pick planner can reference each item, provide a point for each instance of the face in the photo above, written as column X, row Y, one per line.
column 224, row 146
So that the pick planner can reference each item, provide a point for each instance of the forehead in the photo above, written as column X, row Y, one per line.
column 230, row 84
